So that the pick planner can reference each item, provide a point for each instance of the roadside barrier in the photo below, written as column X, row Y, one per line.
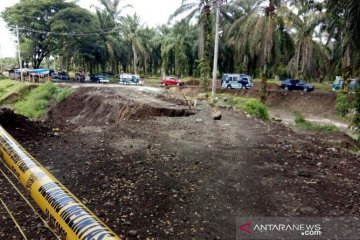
column 70, row 217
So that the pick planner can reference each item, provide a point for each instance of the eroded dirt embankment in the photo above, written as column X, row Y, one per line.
column 103, row 106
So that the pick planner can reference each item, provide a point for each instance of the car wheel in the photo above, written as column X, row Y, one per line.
column 305, row 89
column 177, row 84
column 163, row 84
column 228, row 87
column 286, row 88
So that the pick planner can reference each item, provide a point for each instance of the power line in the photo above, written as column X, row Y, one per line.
column 68, row 33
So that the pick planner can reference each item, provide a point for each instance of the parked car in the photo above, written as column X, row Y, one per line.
column 62, row 75
column 171, row 81
column 235, row 80
column 295, row 84
column 130, row 79
column 337, row 85
column 59, row 76
column 99, row 78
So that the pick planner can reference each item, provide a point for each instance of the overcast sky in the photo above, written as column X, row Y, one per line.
column 151, row 13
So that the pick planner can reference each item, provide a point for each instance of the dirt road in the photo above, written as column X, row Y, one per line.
column 152, row 170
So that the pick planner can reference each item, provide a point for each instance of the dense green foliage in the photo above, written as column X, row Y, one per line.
column 356, row 115
column 36, row 103
column 251, row 106
column 342, row 104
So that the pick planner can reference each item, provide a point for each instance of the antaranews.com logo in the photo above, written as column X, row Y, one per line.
column 297, row 228
column 302, row 229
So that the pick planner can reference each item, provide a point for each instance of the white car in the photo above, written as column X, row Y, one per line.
column 235, row 80
column 130, row 79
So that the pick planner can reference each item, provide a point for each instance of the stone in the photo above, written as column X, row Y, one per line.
column 216, row 115
column 132, row 233
column 305, row 173
column 308, row 210
column 199, row 120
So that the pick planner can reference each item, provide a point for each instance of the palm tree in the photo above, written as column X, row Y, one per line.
column 309, row 54
column 197, row 9
column 259, row 37
column 178, row 44
column 342, row 26
column 201, row 10
column 353, row 24
column 258, row 34
column 131, row 30
column 113, row 8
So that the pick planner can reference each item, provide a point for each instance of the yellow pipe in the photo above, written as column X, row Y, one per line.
column 72, row 219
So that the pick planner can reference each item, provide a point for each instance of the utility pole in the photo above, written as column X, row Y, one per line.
column 1, row 61
column 216, row 49
column 19, row 53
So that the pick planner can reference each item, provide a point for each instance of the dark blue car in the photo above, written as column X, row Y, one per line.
column 295, row 84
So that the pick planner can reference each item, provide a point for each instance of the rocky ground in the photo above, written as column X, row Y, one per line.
column 174, row 175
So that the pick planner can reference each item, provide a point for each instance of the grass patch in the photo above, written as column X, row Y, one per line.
column 2, row 77
column 36, row 103
column 7, row 85
column 269, row 81
column 301, row 122
column 251, row 106
column 152, row 81
column 322, row 87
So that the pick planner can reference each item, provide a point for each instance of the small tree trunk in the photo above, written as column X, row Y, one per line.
column 263, row 91
column 135, row 59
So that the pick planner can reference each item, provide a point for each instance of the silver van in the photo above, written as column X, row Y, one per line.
column 236, row 81
column 130, row 79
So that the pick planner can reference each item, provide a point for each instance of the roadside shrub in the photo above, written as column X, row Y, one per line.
column 355, row 121
column 2, row 77
column 342, row 103
column 299, row 118
column 257, row 109
column 302, row 123
column 36, row 103
column 62, row 94
column 251, row 106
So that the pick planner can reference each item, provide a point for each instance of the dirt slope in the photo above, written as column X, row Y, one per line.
column 188, row 177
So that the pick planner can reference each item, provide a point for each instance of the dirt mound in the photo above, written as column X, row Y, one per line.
column 90, row 106
column 21, row 127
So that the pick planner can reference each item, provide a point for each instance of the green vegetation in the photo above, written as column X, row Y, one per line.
column 356, row 116
column 12, row 91
column 36, row 103
column 322, row 87
column 6, row 86
column 342, row 103
column 302, row 123
column 251, row 106
column 2, row 77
